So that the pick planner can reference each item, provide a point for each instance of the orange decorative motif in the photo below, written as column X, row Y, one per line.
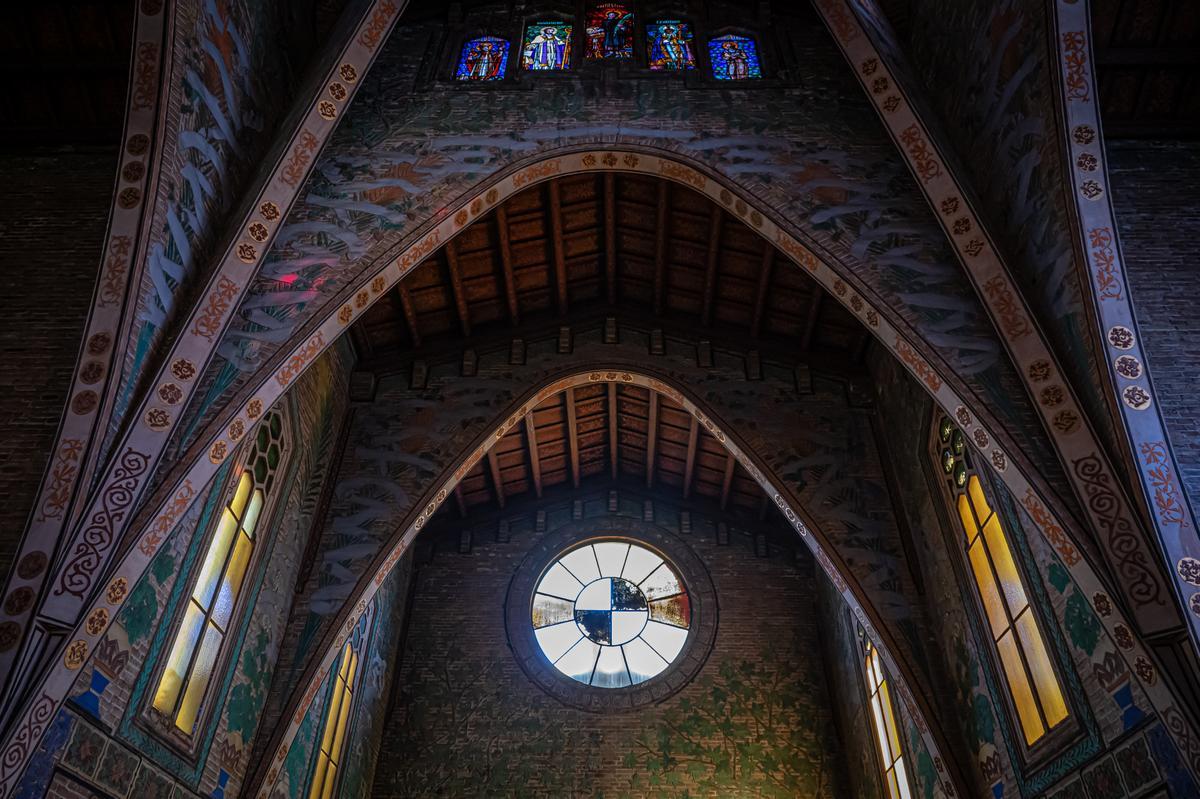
column 208, row 323
column 300, row 359
column 167, row 520
column 378, row 23
column 917, row 365
column 1168, row 501
column 62, row 477
column 1054, row 534
column 112, row 285
column 924, row 161
column 682, row 173
column 1012, row 317
column 302, row 154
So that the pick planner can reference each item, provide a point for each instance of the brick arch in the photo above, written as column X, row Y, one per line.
column 302, row 698
column 180, row 486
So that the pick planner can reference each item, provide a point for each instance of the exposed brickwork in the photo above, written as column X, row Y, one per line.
column 53, row 214
column 1156, row 192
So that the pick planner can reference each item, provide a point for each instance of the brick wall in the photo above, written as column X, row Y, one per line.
column 53, row 214
column 467, row 719
column 1156, row 192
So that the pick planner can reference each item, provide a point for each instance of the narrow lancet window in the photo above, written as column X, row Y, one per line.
column 887, row 731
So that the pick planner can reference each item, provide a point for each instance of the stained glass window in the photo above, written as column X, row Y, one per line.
column 1032, row 681
column 669, row 44
column 887, row 731
column 611, row 614
column 734, row 58
column 610, row 31
column 335, row 728
column 547, row 46
column 483, row 58
column 194, row 654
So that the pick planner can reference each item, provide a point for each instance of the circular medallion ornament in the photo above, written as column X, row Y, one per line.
column 183, row 369
column 138, row 144
column 1189, row 570
column 1120, row 337
column 98, row 343
column 84, row 402
column 76, row 654
column 1194, row 604
column 606, row 622
column 116, row 591
column 1128, row 367
column 1136, row 397
column 10, row 633
column 31, row 565
column 96, row 622
column 18, row 601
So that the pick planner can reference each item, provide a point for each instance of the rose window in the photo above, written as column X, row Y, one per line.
column 611, row 614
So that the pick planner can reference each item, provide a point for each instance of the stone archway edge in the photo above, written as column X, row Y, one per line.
column 1117, row 523
column 75, row 650
column 308, row 688
column 77, row 444
column 86, row 552
column 1125, row 362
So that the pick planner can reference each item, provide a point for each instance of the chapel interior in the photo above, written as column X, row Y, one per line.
column 505, row 398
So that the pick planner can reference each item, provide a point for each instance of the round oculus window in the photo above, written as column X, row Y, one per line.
column 611, row 614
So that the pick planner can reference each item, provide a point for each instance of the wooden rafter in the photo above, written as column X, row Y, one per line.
column 497, row 481
column 510, row 283
column 710, row 270
column 460, row 500
column 651, row 438
column 727, row 482
column 560, row 257
column 612, row 427
column 610, row 236
column 660, row 249
column 760, row 298
column 410, row 313
column 456, row 285
column 810, row 323
column 535, row 462
column 572, row 433
column 689, row 465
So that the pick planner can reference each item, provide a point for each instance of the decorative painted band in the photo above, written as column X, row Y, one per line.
column 94, row 539
column 73, row 448
column 215, row 448
column 306, row 691
column 1116, row 523
column 1125, row 362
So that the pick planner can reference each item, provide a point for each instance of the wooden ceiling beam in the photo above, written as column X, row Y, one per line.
column 660, row 248
column 535, row 462
column 727, row 482
column 610, row 236
column 456, row 286
column 560, row 257
column 497, row 481
column 810, row 322
column 689, row 465
column 410, row 313
column 510, row 282
column 572, row 434
column 612, row 427
column 460, row 500
column 760, row 298
column 651, row 438
column 710, row 271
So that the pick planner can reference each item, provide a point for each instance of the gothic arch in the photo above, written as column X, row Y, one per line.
column 181, row 485
column 406, row 531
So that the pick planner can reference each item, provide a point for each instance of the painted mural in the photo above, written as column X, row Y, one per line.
column 395, row 167
column 755, row 722
column 228, row 71
column 991, row 80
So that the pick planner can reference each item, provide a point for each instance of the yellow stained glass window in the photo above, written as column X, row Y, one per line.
column 337, row 720
column 887, row 731
column 195, row 653
column 1032, row 682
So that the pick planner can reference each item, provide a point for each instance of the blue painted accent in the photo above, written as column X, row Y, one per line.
column 998, row 790
column 1131, row 714
column 89, row 700
column 37, row 775
column 1178, row 779
column 222, row 781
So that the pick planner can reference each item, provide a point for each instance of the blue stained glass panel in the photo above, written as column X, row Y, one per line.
column 483, row 58
column 547, row 46
column 669, row 44
column 734, row 58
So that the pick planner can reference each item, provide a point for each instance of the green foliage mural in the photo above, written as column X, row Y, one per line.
column 743, row 733
column 749, row 726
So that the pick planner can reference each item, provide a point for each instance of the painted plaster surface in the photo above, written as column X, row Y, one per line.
column 990, row 81
column 814, row 153
column 229, row 82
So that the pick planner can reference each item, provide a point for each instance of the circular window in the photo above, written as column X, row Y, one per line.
column 611, row 614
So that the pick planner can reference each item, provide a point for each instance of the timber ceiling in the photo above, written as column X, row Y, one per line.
column 576, row 251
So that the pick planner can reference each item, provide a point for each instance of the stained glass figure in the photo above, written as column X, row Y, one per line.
column 611, row 614
column 483, row 58
column 547, row 46
column 734, row 58
column 610, row 31
column 669, row 43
